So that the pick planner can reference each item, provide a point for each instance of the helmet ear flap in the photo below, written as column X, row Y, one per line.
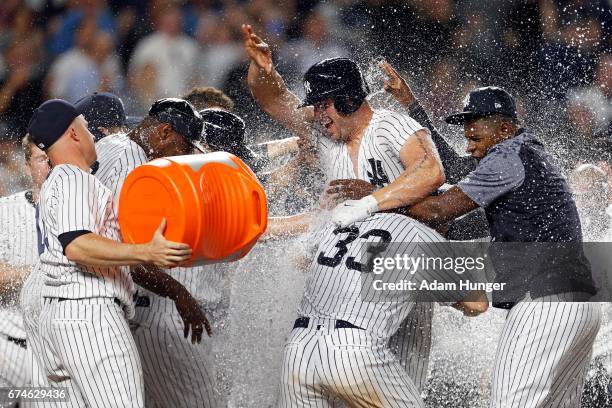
column 345, row 104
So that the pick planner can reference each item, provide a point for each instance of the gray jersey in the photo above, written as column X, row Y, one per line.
column 17, row 247
column 73, row 200
column 378, row 159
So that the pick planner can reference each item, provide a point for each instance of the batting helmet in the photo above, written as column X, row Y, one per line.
column 225, row 131
column 339, row 79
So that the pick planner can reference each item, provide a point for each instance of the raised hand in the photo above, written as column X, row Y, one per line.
column 396, row 85
column 258, row 51
column 193, row 317
column 164, row 253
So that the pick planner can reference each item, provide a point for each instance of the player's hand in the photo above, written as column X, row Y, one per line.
column 352, row 211
column 193, row 316
column 345, row 189
column 257, row 50
column 396, row 85
column 164, row 253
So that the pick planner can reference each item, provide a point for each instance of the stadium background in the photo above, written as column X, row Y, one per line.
column 555, row 56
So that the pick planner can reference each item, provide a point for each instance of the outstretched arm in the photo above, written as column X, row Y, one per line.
column 455, row 166
column 95, row 250
column 154, row 279
column 438, row 210
column 269, row 89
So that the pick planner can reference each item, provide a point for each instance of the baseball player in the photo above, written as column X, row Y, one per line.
column 172, row 127
column 18, row 247
column 338, row 349
column 86, row 342
column 105, row 114
column 212, row 98
column 389, row 150
column 546, row 342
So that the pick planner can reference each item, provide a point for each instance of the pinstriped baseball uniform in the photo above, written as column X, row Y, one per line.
column 378, row 158
column 547, row 339
column 543, row 354
column 17, row 247
column 157, row 326
column 117, row 157
column 323, row 363
column 87, row 343
column 379, row 163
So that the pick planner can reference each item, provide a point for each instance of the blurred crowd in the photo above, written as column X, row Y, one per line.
column 554, row 55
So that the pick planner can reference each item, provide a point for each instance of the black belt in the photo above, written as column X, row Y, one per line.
column 117, row 301
column 20, row 342
column 302, row 322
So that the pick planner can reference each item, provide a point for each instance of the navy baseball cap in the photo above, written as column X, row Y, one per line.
column 102, row 109
column 49, row 122
column 183, row 118
column 483, row 102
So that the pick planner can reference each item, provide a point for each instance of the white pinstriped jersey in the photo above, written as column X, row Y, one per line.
column 378, row 159
column 118, row 155
column 17, row 247
column 334, row 286
column 73, row 200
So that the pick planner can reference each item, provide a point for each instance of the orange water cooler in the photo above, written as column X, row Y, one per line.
column 213, row 202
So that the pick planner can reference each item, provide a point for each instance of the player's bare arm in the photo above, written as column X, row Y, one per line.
column 338, row 191
column 423, row 175
column 94, row 250
column 476, row 303
column 438, row 210
column 279, row 148
column 154, row 279
column 12, row 276
column 455, row 165
column 269, row 89
column 289, row 226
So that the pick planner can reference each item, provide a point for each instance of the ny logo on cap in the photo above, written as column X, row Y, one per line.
column 466, row 101
column 497, row 105
column 307, row 86
column 41, row 145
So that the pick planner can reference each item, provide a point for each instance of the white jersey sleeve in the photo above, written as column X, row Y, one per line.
column 73, row 200
column 117, row 157
column 393, row 129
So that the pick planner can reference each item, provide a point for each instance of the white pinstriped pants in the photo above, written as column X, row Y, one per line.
column 326, row 367
column 14, row 371
column 176, row 372
column 88, row 347
column 544, row 351
column 412, row 343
